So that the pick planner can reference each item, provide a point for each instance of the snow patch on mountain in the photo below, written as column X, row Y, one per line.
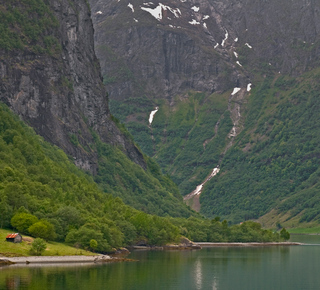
column 225, row 38
column 248, row 45
column 131, row 7
column 238, row 63
column 195, row 8
column 233, row 132
column 235, row 90
column 235, row 54
column 152, row 115
column 249, row 87
column 157, row 12
column 194, row 22
column 198, row 189
column 205, row 17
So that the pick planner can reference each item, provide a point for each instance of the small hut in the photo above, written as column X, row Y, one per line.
column 14, row 238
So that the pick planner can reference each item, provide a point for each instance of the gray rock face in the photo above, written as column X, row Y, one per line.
column 284, row 35
column 160, row 49
column 162, row 57
column 62, row 95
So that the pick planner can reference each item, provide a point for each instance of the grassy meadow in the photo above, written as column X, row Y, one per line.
column 8, row 249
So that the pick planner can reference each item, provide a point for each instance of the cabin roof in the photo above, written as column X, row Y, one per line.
column 12, row 236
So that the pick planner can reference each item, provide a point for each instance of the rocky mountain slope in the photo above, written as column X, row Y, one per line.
column 51, row 78
column 165, row 48
column 210, row 71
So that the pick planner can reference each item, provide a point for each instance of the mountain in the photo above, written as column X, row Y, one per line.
column 206, row 87
column 51, row 78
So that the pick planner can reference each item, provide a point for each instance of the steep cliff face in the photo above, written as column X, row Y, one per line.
column 51, row 78
column 164, row 48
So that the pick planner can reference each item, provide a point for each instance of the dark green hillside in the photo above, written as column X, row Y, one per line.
column 38, row 179
column 274, row 163
column 147, row 190
column 183, row 137
column 44, row 195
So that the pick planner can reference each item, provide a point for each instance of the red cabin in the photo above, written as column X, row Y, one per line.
column 14, row 238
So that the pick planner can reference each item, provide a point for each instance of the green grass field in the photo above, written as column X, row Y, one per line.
column 313, row 230
column 22, row 249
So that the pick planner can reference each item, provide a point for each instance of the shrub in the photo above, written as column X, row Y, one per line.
column 22, row 222
column 42, row 229
column 38, row 246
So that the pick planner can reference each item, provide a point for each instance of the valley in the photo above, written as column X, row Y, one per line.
column 207, row 102
column 223, row 77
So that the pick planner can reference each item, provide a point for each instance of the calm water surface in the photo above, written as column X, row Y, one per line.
column 293, row 267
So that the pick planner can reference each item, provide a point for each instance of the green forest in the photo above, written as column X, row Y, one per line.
column 147, row 190
column 43, row 194
column 182, row 138
column 274, row 163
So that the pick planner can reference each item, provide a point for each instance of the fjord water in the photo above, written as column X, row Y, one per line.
column 283, row 267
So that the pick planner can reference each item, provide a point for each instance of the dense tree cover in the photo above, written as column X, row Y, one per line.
column 205, row 230
column 46, row 196
column 183, row 137
column 147, row 190
column 43, row 194
column 275, row 160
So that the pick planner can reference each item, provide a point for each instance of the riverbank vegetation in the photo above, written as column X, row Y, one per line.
column 205, row 230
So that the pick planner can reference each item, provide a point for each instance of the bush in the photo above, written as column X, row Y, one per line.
column 84, row 237
column 284, row 234
column 42, row 229
column 22, row 221
column 38, row 246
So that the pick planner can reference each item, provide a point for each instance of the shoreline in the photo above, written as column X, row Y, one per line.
column 61, row 260
column 250, row 244
column 7, row 261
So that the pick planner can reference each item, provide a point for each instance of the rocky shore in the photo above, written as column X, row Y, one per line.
column 184, row 244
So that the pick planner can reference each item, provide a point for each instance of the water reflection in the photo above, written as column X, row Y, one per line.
column 215, row 268
column 198, row 274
